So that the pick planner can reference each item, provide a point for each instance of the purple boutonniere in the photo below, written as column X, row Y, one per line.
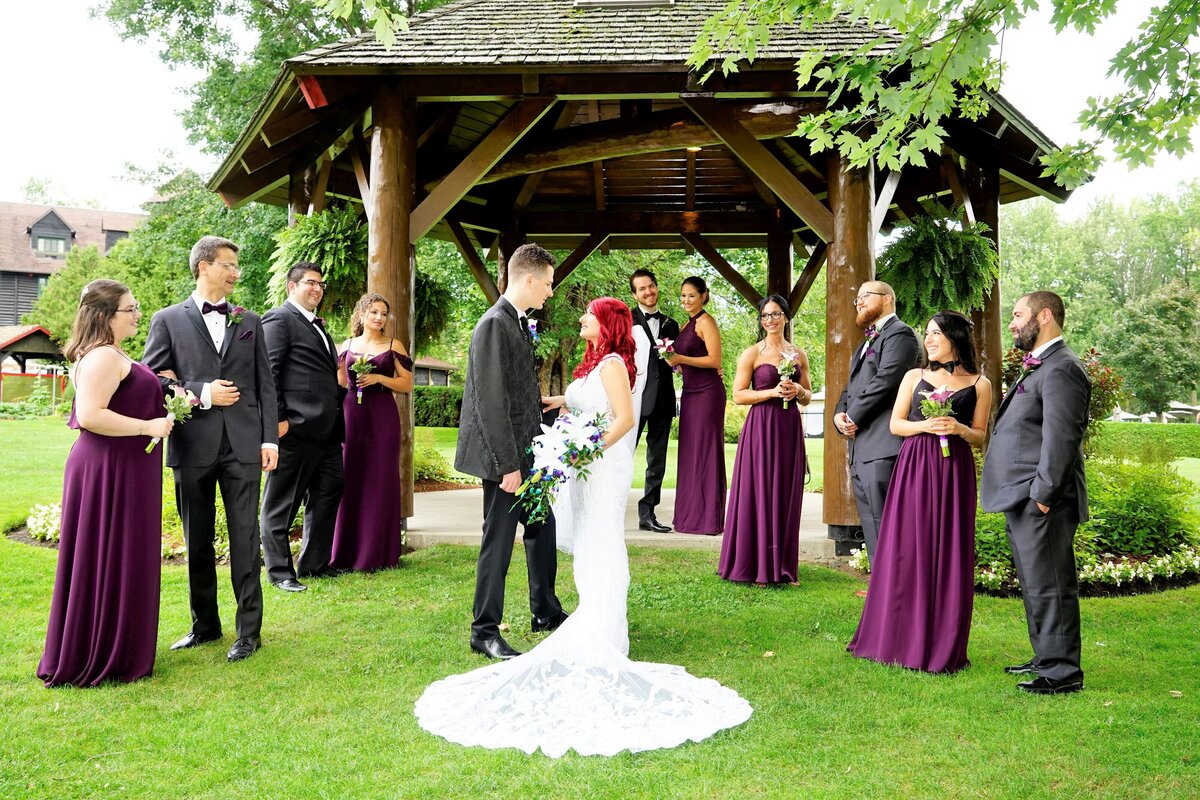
column 533, row 329
column 246, row 334
column 871, row 333
column 236, row 315
column 1028, row 364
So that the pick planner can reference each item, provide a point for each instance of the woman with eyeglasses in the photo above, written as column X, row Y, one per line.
column 762, row 525
column 700, row 476
column 367, row 534
column 918, row 608
column 104, row 611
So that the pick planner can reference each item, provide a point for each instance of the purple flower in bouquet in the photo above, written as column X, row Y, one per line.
column 179, row 404
column 562, row 450
column 665, row 347
column 937, row 404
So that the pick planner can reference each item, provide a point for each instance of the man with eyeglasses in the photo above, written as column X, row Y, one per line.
column 311, row 431
column 863, row 412
column 217, row 351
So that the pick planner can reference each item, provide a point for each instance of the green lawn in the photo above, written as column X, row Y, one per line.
column 325, row 709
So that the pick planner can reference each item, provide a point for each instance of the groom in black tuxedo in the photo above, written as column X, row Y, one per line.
column 218, row 352
column 1033, row 472
column 865, row 408
column 658, row 394
column 501, row 413
column 311, row 432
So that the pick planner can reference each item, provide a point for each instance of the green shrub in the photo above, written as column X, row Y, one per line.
column 1133, row 439
column 437, row 406
column 735, row 419
column 1138, row 510
column 429, row 465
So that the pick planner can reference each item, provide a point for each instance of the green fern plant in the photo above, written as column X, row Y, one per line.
column 934, row 266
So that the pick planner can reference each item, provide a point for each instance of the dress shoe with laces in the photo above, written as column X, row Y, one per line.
column 244, row 647
column 193, row 640
column 1028, row 668
column 1051, row 686
column 495, row 647
column 538, row 625
column 653, row 525
column 290, row 585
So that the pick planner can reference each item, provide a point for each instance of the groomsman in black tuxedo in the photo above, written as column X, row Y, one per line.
column 218, row 352
column 658, row 392
column 311, row 432
column 865, row 407
column 1033, row 472
column 501, row 413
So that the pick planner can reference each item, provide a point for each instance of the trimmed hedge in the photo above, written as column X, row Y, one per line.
column 437, row 406
column 1180, row 440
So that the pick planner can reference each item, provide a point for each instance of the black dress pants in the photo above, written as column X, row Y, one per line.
column 309, row 472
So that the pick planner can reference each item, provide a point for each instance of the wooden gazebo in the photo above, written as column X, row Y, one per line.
column 577, row 124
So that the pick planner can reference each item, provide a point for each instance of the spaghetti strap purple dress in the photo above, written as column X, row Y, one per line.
column 104, row 612
column 762, row 527
column 367, row 533
column 700, row 481
column 918, row 608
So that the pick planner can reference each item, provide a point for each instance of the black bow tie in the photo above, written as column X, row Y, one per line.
column 654, row 315
column 221, row 308
column 947, row 365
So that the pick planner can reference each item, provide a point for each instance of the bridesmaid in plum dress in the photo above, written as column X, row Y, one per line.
column 700, row 481
column 762, row 528
column 918, row 607
column 104, row 612
column 369, row 522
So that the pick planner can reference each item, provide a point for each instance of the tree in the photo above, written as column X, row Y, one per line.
column 55, row 309
column 1153, row 346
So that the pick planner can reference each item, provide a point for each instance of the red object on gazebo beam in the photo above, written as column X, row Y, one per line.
column 310, row 87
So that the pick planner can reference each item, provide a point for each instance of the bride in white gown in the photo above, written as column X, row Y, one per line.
column 578, row 690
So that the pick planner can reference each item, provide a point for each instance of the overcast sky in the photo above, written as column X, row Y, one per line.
column 82, row 103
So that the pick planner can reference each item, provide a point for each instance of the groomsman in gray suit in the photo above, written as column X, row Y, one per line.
column 865, row 407
column 1033, row 472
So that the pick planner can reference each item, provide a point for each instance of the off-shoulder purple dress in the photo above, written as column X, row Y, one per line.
column 762, row 528
column 700, row 481
column 367, row 533
column 104, row 612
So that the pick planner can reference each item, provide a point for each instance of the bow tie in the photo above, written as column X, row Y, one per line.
column 221, row 308
column 654, row 315
column 946, row 365
column 319, row 322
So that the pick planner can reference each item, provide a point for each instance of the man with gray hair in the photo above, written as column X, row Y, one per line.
column 217, row 351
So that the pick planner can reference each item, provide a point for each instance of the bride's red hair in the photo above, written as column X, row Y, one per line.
column 616, row 336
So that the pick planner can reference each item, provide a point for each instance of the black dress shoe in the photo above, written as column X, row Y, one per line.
column 537, row 625
column 654, row 525
column 494, row 648
column 290, row 585
column 1051, row 686
column 244, row 647
column 1028, row 668
column 192, row 640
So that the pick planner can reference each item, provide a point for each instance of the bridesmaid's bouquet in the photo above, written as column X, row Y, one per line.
column 665, row 347
column 179, row 404
column 937, row 404
column 788, row 365
column 361, row 366
column 572, row 443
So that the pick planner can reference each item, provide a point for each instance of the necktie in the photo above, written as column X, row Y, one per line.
column 221, row 308
column 946, row 365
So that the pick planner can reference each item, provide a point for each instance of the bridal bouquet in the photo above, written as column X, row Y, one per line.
column 361, row 366
column 179, row 404
column 937, row 404
column 572, row 443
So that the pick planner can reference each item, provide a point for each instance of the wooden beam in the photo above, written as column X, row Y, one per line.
column 755, row 156
column 983, row 186
column 660, row 131
column 954, row 179
column 565, row 117
column 443, row 122
column 474, row 263
column 490, row 149
column 577, row 256
column 538, row 223
column 321, row 187
column 779, row 260
column 690, row 191
column 808, row 276
column 985, row 151
column 727, row 271
column 360, row 174
column 887, row 192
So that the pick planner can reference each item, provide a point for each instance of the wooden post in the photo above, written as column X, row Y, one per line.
column 851, row 261
column 509, row 241
column 983, row 186
column 300, row 184
column 779, row 261
column 390, row 251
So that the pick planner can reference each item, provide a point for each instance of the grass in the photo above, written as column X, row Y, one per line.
column 325, row 709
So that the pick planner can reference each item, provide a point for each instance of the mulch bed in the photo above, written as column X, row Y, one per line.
column 441, row 486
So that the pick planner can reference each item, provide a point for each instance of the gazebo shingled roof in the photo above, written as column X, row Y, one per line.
column 492, row 122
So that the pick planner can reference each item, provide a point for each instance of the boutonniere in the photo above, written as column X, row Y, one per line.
column 871, row 333
column 236, row 315
column 1028, row 364
column 533, row 329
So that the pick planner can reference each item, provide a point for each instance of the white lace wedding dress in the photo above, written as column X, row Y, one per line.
column 578, row 690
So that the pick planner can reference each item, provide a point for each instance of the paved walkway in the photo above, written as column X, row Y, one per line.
column 456, row 517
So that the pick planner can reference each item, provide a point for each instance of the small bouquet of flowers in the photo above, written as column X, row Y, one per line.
column 532, row 324
column 665, row 347
column 179, row 404
column 361, row 366
column 788, row 366
column 572, row 443
column 937, row 404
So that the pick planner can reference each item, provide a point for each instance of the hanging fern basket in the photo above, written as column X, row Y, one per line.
column 935, row 265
